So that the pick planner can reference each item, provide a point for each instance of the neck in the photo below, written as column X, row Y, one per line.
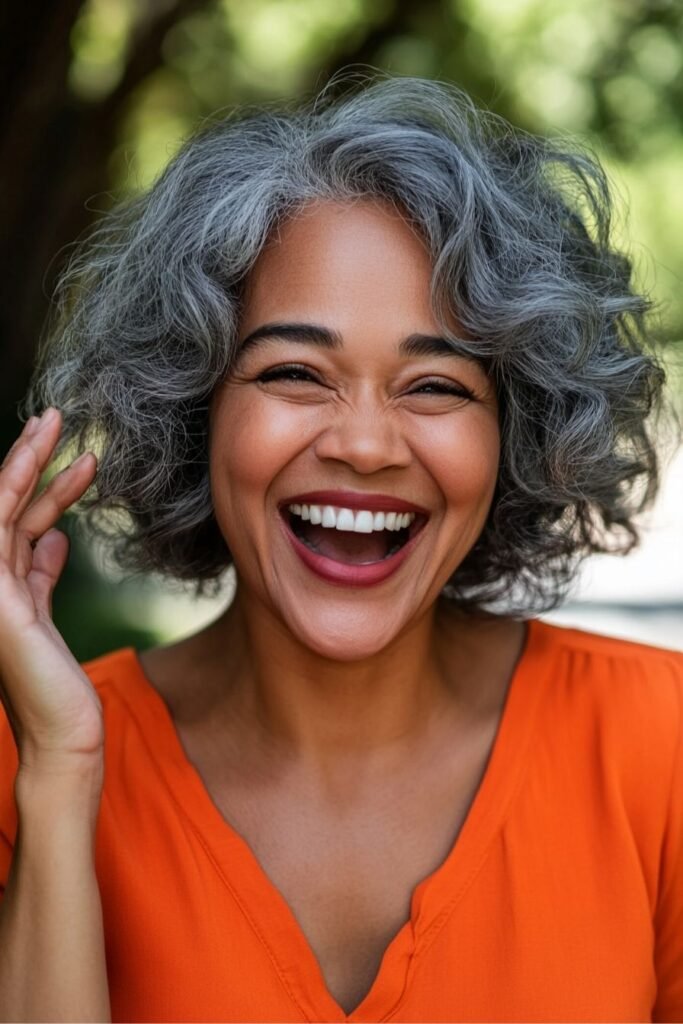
column 314, row 708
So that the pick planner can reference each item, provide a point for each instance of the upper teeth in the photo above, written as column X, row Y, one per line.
column 346, row 519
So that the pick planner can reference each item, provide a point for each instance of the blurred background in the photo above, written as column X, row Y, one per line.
column 98, row 94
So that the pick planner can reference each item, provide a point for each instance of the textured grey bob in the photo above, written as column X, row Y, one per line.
column 519, row 230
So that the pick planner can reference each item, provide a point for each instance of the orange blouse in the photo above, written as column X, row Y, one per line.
column 561, row 900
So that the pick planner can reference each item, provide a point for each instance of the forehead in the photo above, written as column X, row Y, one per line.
column 341, row 262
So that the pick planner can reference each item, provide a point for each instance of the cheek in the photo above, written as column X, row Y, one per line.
column 462, row 453
column 252, row 439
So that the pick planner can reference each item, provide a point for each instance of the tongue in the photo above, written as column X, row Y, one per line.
column 346, row 546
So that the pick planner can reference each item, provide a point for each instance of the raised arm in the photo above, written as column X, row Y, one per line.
column 52, row 962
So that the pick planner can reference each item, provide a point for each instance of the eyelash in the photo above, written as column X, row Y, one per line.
column 287, row 372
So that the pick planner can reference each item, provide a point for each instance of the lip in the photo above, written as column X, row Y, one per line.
column 343, row 574
column 355, row 500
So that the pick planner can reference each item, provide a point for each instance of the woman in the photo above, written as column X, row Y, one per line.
column 378, row 355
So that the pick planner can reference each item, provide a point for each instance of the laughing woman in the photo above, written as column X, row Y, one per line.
column 379, row 355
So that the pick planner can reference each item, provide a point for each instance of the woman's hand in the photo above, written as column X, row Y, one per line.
column 55, row 713
column 52, row 953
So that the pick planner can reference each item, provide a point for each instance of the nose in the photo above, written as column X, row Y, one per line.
column 366, row 437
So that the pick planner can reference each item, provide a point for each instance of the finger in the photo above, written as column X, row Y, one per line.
column 62, row 491
column 49, row 558
column 34, row 428
column 18, row 481
column 28, row 428
column 15, row 480
column 42, row 442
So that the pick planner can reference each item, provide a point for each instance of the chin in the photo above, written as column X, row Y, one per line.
column 350, row 634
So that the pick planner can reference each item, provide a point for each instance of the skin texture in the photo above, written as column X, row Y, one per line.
column 342, row 730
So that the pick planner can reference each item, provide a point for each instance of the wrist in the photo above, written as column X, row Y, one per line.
column 59, row 786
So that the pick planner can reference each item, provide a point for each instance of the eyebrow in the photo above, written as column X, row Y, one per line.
column 313, row 334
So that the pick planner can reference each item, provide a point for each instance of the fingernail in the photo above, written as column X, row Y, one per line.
column 31, row 424
column 47, row 417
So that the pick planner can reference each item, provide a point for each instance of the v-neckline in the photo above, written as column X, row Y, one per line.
column 433, row 899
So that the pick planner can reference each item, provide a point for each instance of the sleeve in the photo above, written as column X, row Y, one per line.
column 9, row 763
column 668, row 920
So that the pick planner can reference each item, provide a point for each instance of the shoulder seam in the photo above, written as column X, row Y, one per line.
column 573, row 638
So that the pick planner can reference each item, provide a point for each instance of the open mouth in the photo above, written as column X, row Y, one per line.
column 352, row 538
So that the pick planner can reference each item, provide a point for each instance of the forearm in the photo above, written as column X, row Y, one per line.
column 52, row 961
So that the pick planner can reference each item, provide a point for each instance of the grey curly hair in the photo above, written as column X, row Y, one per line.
column 518, row 227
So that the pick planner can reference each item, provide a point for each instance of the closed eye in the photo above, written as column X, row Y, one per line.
column 292, row 372
column 297, row 373
column 440, row 387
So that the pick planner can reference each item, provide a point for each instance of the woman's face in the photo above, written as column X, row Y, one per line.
column 338, row 389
